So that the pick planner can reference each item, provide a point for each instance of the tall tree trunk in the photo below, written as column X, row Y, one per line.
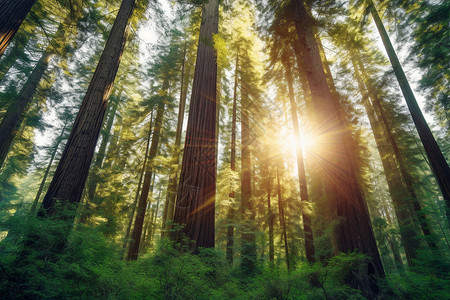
column 438, row 163
column 153, row 223
column 149, row 221
column 99, row 158
column 133, row 251
column 196, row 191
column 47, row 171
column 309, row 239
column 14, row 115
column 395, row 185
column 282, row 218
column 248, row 252
column 270, row 216
column 354, row 231
column 12, row 13
column 138, row 190
column 231, row 210
column 70, row 176
column 172, row 188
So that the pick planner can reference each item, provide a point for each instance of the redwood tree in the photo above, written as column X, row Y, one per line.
column 196, row 189
column 12, row 13
column 71, row 173
column 354, row 231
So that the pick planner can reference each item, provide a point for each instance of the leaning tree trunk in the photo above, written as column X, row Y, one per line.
column 133, row 251
column 14, row 115
column 396, row 188
column 354, row 231
column 438, row 163
column 12, row 13
column 70, row 176
column 309, row 239
column 196, row 190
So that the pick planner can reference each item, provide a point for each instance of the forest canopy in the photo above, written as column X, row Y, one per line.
column 214, row 149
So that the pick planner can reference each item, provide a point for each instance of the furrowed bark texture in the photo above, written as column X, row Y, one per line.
column 439, row 165
column 197, row 185
column 12, row 13
column 70, row 176
column 354, row 231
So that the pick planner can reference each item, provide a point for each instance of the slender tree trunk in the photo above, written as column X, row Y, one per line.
column 231, row 210
column 354, row 231
column 395, row 185
column 248, row 252
column 439, row 165
column 99, row 158
column 196, row 191
column 172, row 188
column 282, row 219
column 309, row 239
column 47, row 171
column 153, row 223
column 133, row 251
column 149, row 219
column 14, row 115
column 270, row 216
column 138, row 190
column 12, row 13
column 70, row 176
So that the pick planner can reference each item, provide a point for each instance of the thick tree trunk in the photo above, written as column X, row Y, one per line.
column 196, row 191
column 354, row 231
column 172, row 188
column 231, row 210
column 70, row 176
column 47, row 171
column 439, row 165
column 12, row 13
column 133, row 251
column 309, row 239
column 138, row 190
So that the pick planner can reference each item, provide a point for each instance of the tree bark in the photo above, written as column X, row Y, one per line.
column 439, row 165
column 47, row 171
column 395, row 185
column 12, row 13
column 282, row 218
column 133, row 251
column 138, row 190
column 309, row 239
column 172, row 188
column 14, row 115
column 231, row 211
column 354, row 231
column 70, row 176
column 196, row 191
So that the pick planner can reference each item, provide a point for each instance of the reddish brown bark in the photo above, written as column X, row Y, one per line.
column 70, row 175
column 354, row 231
column 196, row 190
column 12, row 13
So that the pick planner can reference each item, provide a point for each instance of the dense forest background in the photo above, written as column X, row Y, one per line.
column 224, row 149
